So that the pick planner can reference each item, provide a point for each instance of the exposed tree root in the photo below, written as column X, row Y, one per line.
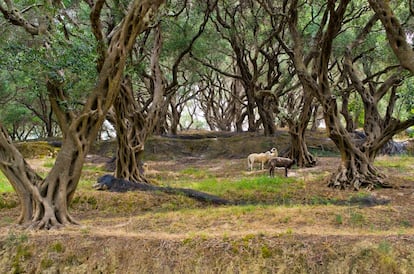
column 348, row 178
column 109, row 182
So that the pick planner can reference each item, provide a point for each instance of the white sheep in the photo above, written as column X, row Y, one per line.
column 261, row 157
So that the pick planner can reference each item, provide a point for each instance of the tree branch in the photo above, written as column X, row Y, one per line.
column 395, row 33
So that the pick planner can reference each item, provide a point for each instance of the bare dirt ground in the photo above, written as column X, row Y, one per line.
column 306, row 228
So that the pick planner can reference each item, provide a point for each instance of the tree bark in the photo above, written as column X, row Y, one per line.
column 265, row 109
column 128, row 128
column 297, row 129
column 132, row 127
column 356, row 169
column 395, row 33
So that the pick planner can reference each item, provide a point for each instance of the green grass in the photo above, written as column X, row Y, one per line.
column 5, row 186
column 259, row 189
column 214, row 185
column 317, row 152
column 49, row 163
column 402, row 162
column 196, row 173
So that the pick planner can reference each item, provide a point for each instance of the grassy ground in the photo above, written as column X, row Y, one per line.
column 281, row 225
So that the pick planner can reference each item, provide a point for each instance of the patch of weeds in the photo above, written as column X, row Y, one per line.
column 406, row 224
column 285, row 220
column 359, row 195
column 323, row 152
column 188, row 241
column 22, row 254
column 317, row 200
column 247, row 208
column 46, row 263
column 387, row 262
column 72, row 260
column 266, row 252
column 7, row 202
column 93, row 168
column 57, row 247
column 338, row 219
column 366, row 252
column 357, row 219
column 88, row 202
column 247, row 238
column 196, row 173
column 14, row 239
column 287, row 232
column 384, row 247
column 86, row 184
column 6, row 220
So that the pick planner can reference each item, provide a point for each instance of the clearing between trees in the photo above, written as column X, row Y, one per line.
column 281, row 225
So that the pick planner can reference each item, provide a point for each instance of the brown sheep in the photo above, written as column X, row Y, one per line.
column 280, row 162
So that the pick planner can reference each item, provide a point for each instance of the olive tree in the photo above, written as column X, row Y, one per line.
column 357, row 158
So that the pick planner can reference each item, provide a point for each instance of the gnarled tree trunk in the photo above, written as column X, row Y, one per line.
column 128, row 128
column 356, row 169
column 265, row 109
column 132, row 126
column 297, row 129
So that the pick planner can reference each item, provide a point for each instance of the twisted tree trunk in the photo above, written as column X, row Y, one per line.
column 356, row 169
column 297, row 129
column 128, row 128
column 132, row 127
